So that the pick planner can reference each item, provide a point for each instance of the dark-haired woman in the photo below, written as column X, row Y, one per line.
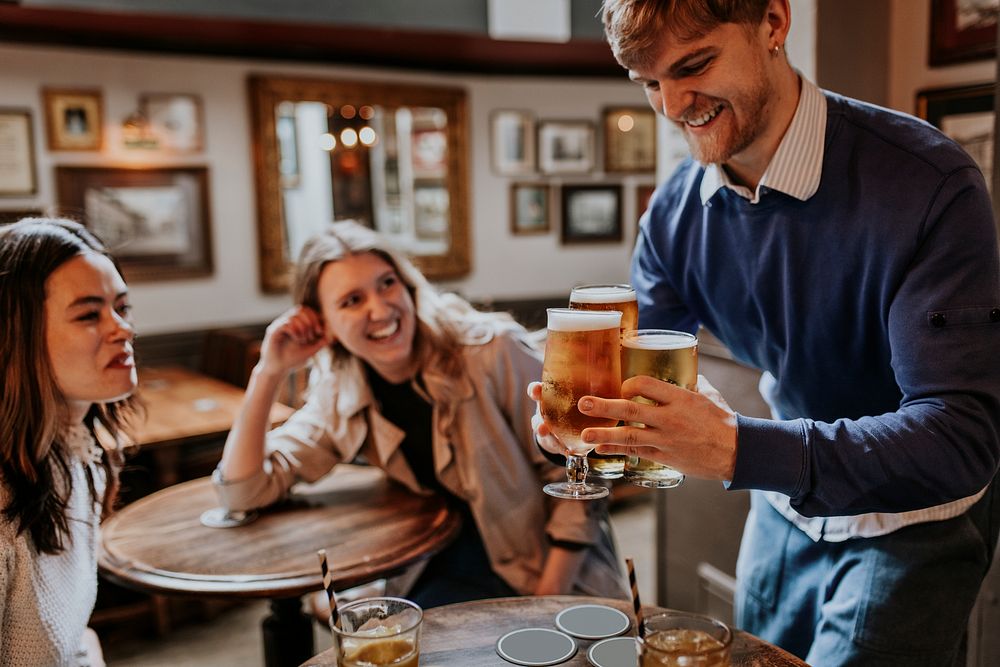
column 66, row 360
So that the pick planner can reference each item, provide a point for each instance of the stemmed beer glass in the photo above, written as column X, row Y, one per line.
column 582, row 357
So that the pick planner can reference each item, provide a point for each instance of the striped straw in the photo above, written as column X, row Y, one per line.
column 328, row 585
column 640, row 622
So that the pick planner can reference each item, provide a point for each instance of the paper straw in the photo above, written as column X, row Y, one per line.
column 328, row 585
column 640, row 622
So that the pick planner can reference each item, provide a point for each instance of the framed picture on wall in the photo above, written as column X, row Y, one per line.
column 629, row 139
column 17, row 154
column 962, row 30
column 73, row 119
column 565, row 146
column 175, row 120
column 591, row 213
column 966, row 115
column 529, row 208
column 512, row 142
column 155, row 221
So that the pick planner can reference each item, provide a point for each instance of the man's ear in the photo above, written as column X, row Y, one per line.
column 778, row 20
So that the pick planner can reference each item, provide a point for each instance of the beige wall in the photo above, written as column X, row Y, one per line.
column 503, row 266
column 909, row 22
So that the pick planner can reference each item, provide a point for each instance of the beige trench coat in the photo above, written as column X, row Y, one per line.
column 484, row 453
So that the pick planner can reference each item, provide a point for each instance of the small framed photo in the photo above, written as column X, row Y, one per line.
column 591, row 213
column 155, row 221
column 529, row 208
column 966, row 115
column 962, row 30
column 430, row 212
column 74, row 119
column 629, row 139
column 512, row 142
column 17, row 154
column 175, row 120
column 565, row 146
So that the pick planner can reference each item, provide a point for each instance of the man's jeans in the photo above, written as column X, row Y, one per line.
column 898, row 599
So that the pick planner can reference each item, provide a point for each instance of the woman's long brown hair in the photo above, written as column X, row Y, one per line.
column 35, row 467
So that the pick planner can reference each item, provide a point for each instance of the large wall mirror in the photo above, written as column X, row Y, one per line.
column 388, row 155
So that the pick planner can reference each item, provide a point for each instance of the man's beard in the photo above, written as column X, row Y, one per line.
column 734, row 137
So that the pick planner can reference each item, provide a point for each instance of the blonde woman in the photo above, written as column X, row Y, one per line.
column 432, row 391
column 66, row 358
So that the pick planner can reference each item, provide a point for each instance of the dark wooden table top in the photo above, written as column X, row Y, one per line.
column 462, row 635
column 370, row 528
column 182, row 404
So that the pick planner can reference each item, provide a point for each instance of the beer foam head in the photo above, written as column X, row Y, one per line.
column 564, row 319
column 658, row 339
column 602, row 294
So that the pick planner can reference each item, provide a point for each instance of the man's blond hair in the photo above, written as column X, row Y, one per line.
column 634, row 27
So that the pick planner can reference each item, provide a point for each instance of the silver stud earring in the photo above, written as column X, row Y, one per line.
column 776, row 50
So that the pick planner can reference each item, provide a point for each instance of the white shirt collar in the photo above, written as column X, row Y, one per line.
column 796, row 166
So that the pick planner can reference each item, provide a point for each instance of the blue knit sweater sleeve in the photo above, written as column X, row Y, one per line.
column 875, row 306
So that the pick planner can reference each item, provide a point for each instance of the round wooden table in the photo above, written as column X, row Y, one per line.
column 370, row 528
column 459, row 635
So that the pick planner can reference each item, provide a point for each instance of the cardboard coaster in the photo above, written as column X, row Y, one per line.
column 536, row 647
column 617, row 652
column 218, row 517
column 592, row 621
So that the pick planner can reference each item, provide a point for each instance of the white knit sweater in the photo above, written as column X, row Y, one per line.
column 45, row 600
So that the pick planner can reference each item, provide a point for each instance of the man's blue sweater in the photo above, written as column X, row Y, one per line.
column 875, row 305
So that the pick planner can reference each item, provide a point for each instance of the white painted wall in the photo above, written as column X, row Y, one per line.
column 908, row 69
column 504, row 266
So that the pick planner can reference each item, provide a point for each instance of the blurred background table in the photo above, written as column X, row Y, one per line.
column 186, row 407
column 459, row 635
column 371, row 528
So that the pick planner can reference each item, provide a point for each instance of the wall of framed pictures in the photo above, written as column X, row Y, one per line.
column 205, row 100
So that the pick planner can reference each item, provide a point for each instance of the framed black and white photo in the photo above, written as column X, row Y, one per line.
column 591, row 213
column 966, row 115
column 529, row 208
column 629, row 139
column 175, row 120
column 512, row 142
column 74, row 119
column 17, row 154
column 962, row 30
column 155, row 221
column 565, row 146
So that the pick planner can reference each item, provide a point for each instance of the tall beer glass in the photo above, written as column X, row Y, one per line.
column 671, row 356
column 582, row 357
column 619, row 297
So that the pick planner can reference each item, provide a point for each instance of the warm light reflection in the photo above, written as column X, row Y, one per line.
column 367, row 136
column 347, row 111
column 366, row 112
column 625, row 122
column 348, row 137
column 327, row 142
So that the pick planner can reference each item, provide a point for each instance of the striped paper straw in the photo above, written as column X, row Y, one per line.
column 328, row 586
column 640, row 622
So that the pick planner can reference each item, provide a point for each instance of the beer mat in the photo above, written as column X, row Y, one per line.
column 592, row 621
column 536, row 647
column 617, row 652
column 218, row 517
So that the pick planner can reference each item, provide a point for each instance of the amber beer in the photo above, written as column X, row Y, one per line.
column 382, row 652
column 582, row 357
column 680, row 639
column 622, row 298
column 378, row 632
column 671, row 356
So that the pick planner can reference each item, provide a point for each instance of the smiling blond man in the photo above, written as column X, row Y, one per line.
column 850, row 253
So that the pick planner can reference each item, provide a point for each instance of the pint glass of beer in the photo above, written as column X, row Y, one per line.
column 619, row 297
column 671, row 356
column 582, row 357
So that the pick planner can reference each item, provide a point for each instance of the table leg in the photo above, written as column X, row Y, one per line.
column 288, row 634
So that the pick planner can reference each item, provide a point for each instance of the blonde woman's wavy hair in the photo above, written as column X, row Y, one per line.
column 445, row 322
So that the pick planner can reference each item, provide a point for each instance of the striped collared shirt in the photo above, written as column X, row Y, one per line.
column 796, row 166
column 795, row 170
